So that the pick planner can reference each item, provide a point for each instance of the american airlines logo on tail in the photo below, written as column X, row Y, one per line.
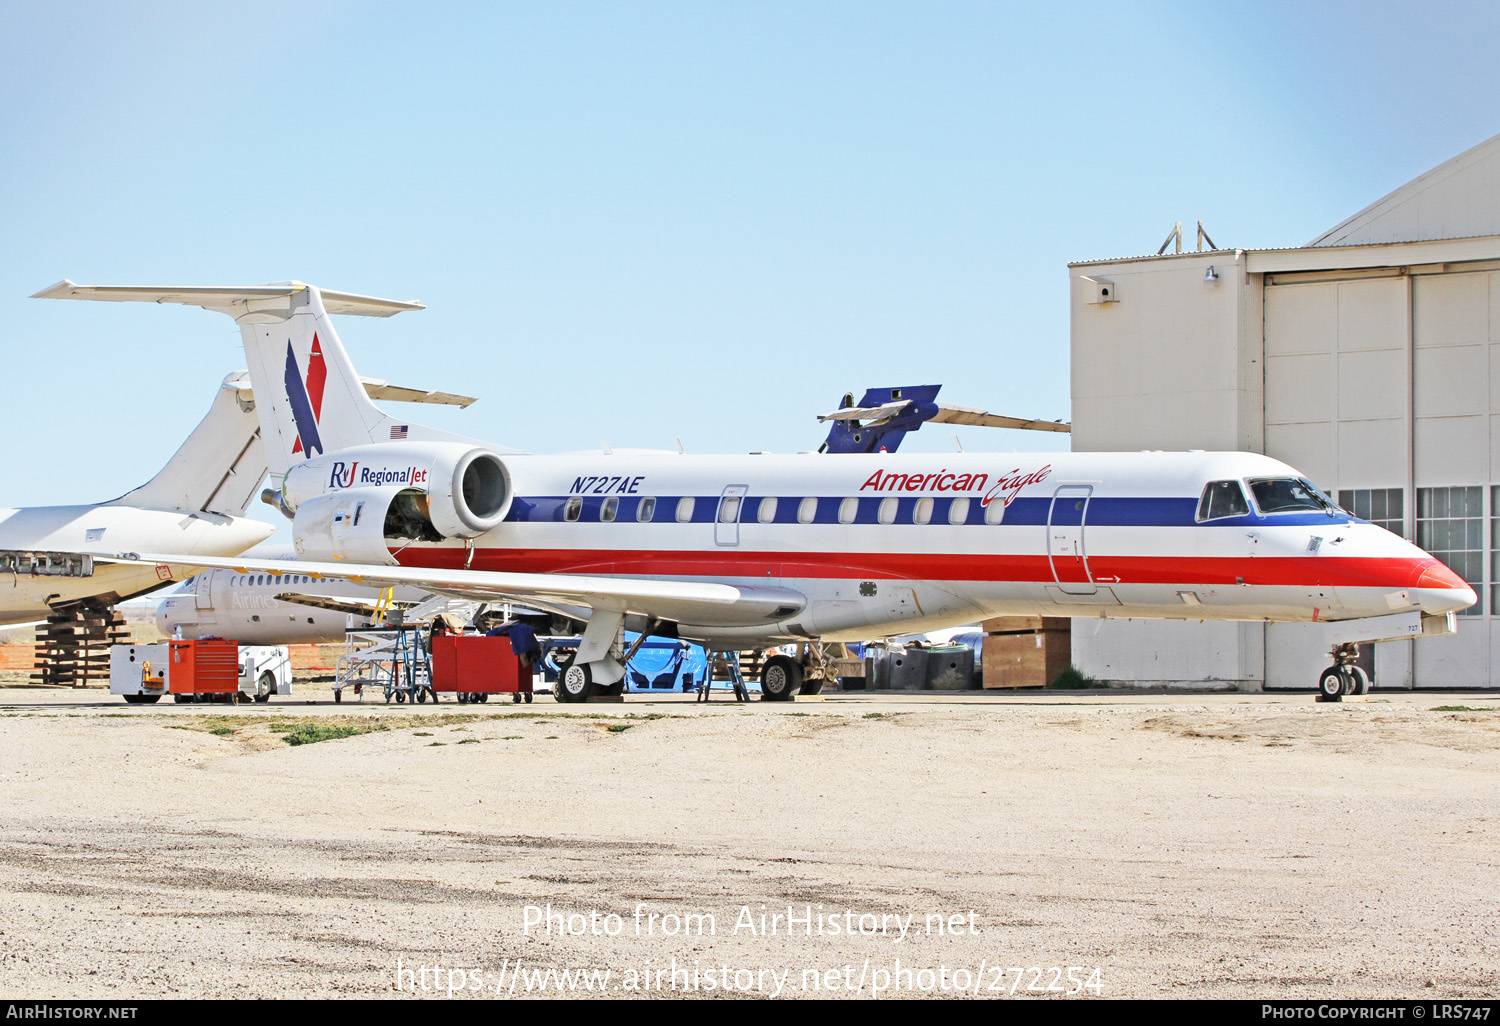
column 306, row 397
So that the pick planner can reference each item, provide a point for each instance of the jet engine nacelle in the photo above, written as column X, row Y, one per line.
column 357, row 499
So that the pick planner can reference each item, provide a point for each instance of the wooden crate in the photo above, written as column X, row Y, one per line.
column 1029, row 660
column 1016, row 624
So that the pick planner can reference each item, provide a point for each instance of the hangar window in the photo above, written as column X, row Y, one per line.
column 767, row 511
column 922, row 512
column 1289, row 495
column 807, row 510
column 685, row 509
column 646, row 510
column 1223, row 499
column 1450, row 525
column 847, row 510
column 1383, row 507
column 958, row 511
column 573, row 509
column 609, row 509
column 887, row 512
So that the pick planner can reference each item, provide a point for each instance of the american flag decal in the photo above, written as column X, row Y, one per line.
column 399, row 431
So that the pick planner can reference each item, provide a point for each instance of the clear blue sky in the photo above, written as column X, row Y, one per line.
column 634, row 221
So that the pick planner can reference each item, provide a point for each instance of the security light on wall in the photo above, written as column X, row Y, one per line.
column 1211, row 276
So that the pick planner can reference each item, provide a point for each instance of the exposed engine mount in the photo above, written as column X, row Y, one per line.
column 355, row 504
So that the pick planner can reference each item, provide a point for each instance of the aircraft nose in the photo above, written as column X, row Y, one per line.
column 1440, row 590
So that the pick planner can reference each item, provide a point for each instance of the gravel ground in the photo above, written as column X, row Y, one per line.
column 1182, row 845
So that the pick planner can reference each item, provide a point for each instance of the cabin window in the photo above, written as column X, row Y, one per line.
column 922, row 512
column 767, row 512
column 1289, row 495
column 887, row 511
column 958, row 512
column 609, row 509
column 729, row 509
column 646, row 510
column 807, row 510
column 1222, row 499
column 573, row 509
column 994, row 512
column 685, row 509
column 847, row 510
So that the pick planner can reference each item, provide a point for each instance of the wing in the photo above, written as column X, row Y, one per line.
column 706, row 604
column 949, row 414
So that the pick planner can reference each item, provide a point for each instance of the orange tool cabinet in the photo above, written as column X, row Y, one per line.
column 205, row 666
column 477, row 665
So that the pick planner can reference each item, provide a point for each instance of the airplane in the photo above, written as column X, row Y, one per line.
column 758, row 550
column 195, row 505
column 272, row 608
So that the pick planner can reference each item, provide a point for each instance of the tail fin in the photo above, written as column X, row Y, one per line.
column 310, row 399
column 307, row 394
column 219, row 468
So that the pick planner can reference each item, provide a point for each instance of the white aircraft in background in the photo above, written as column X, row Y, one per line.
column 764, row 549
column 194, row 506
column 274, row 608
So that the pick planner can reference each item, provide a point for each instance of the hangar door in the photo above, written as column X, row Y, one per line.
column 1337, row 382
column 1378, row 388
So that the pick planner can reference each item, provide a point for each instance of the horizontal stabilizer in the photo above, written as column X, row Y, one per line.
column 375, row 388
column 232, row 300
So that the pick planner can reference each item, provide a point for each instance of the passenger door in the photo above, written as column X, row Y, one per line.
column 727, row 516
column 1065, row 550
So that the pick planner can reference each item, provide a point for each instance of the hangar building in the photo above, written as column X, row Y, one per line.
column 1369, row 359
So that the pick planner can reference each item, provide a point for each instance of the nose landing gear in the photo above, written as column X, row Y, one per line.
column 1344, row 677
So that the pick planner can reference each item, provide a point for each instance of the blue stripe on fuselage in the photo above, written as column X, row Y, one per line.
column 1102, row 511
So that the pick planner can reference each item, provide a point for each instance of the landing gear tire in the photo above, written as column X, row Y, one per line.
column 1331, row 683
column 1361, row 681
column 780, row 679
column 811, row 687
column 575, row 683
column 614, row 690
column 265, row 687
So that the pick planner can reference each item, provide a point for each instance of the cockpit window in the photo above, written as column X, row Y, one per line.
column 1289, row 495
column 1222, row 499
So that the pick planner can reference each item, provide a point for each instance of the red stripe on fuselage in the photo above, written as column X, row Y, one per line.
column 1297, row 571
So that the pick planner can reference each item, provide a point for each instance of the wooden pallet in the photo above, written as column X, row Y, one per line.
column 72, row 647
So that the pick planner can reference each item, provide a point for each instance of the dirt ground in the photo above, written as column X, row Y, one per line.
column 1182, row 846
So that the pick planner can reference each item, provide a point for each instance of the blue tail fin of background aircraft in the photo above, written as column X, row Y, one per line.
column 886, row 433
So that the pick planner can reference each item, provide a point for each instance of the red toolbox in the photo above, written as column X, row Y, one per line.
column 205, row 666
column 477, row 665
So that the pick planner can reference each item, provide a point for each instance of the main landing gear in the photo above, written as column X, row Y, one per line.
column 784, row 676
column 1344, row 677
column 597, row 669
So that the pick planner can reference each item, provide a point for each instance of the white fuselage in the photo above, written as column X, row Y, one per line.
column 244, row 606
column 891, row 543
column 106, row 527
